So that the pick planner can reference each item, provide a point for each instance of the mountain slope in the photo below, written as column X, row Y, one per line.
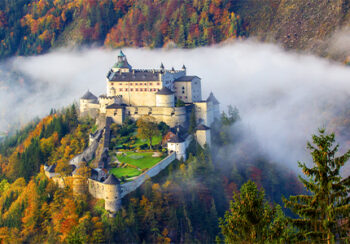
column 307, row 25
column 33, row 27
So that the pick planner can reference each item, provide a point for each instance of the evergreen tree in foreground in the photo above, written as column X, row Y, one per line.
column 251, row 219
column 325, row 211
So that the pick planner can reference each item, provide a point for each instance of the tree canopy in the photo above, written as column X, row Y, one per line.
column 147, row 128
column 250, row 218
column 324, row 213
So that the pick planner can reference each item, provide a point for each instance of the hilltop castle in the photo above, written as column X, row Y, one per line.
column 170, row 96
column 135, row 92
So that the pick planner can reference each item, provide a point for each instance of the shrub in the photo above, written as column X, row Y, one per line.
column 143, row 146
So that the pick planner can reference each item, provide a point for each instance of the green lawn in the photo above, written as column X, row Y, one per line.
column 129, row 172
column 142, row 160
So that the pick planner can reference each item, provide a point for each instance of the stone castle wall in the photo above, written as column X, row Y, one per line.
column 88, row 153
column 128, row 187
column 171, row 116
column 112, row 194
column 96, row 189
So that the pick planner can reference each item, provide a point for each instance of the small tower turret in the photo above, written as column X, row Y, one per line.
column 112, row 194
column 165, row 98
column 203, row 135
column 122, row 64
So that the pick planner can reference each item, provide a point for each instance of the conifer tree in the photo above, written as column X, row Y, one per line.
column 323, row 212
column 193, row 122
column 250, row 219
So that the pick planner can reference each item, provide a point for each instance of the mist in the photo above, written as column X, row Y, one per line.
column 282, row 97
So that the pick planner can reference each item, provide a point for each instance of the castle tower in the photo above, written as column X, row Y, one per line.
column 165, row 98
column 215, row 104
column 178, row 145
column 203, row 135
column 122, row 64
column 87, row 101
column 112, row 194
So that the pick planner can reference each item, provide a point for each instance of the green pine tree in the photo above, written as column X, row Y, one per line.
column 323, row 212
column 250, row 219
column 193, row 122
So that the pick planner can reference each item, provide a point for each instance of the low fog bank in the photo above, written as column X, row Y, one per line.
column 282, row 97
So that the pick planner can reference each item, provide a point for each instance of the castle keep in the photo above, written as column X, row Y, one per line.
column 137, row 92
column 169, row 96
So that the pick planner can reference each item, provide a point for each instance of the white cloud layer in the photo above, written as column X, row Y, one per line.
column 282, row 97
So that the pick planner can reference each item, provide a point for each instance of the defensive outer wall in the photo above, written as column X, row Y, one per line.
column 113, row 193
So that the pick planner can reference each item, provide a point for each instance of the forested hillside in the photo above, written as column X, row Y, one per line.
column 32, row 27
column 182, row 204
column 307, row 25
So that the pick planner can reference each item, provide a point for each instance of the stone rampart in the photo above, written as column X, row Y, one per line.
column 96, row 189
column 89, row 152
column 128, row 187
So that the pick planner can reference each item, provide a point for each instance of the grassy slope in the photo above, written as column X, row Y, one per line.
column 146, row 162
column 129, row 172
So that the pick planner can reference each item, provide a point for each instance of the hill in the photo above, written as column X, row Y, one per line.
column 32, row 27
column 180, row 205
column 307, row 25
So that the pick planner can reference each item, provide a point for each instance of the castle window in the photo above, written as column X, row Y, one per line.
column 131, row 89
column 136, row 89
column 112, row 83
column 126, row 89
column 145, row 84
column 141, row 89
column 130, row 84
column 180, row 97
column 186, row 97
column 183, row 92
column 150, row 83
column 158, row 83
column 183, row 88
column 121, row 89
column 120, row 83
column 135, row 84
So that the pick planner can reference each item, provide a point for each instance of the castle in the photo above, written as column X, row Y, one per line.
column 170, row 96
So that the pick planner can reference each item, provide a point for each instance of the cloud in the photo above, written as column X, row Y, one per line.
column 282, row 97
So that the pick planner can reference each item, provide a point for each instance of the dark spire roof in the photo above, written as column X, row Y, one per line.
column 186, row 78
column 161, row 66
column 89, row 96
column 164, row 91
column 111, row 180
column 202, row 127
column 172, row 69
column 183, row 67
column 176, row 139
column 121, row 54
column 212, row 99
